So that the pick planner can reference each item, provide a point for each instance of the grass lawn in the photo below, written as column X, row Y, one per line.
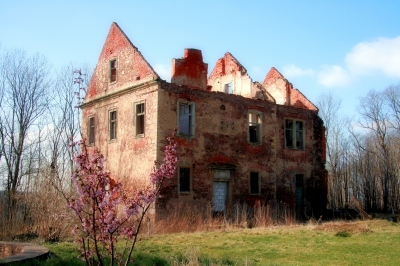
column 375, row 242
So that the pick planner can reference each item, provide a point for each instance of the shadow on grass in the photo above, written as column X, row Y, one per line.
column 141, row 259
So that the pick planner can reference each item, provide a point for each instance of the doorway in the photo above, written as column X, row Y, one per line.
column 299, row 193
column 222, row 177
column 220, row 190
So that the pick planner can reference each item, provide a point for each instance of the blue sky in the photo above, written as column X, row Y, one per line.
column 348, row 47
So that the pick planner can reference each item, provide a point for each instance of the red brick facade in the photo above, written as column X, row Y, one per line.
column 239, row 141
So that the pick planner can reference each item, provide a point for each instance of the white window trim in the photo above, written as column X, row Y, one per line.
column 294, row 133
column 193, row 116
column 135, row 118
column 256, row 112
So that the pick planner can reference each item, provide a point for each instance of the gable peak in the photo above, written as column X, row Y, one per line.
column 272, row 76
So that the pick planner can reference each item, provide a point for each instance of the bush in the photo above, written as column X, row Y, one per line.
column 343, row 234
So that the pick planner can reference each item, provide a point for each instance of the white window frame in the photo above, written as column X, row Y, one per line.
column 251, row 123
column 191, row 119
column 136, row 119
column 293, row 131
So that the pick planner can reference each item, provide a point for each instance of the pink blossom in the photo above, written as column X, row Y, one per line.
column 100, row 197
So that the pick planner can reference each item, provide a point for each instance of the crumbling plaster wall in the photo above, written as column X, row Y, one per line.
column 220, row 140
column 129, row 158
column 221, row 127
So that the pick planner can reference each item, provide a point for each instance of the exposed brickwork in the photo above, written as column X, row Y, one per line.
column 132, row 67
column 134, row 82
column 229, row 70
column 272, row 76
column 221, row 141
column 297, row 99
column 218, row 149
column 284, row 93
column 190, row 70
column 224, row 66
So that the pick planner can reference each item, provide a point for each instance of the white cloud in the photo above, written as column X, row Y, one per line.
column 332, row 76
column 381, row 55
column 163, row 71
column 292, row 70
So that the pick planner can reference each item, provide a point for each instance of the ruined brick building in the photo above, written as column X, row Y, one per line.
column 239, row 141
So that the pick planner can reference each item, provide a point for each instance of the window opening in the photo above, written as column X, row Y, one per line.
column 91, row 130
column 186, row 111
column 294, row 134
column 254, row 183
column 228, row 88
column 184, row 179
column 113, row 125
column 140, row 119
column 254, row 128
column 113, row 70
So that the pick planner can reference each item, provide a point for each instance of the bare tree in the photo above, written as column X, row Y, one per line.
column 65, row 116
column 375, row 116
column 364, row 166
column 336, row 145
column 25, row 84
column 392, row 98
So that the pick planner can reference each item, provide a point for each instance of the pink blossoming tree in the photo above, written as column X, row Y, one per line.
column 107, row 211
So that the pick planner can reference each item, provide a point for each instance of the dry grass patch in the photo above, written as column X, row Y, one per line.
column 353, row 228
column 186, row 219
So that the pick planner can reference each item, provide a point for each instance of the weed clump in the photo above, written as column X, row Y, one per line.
column 343, row 234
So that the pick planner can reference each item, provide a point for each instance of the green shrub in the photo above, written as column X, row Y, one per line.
column 343, row 234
